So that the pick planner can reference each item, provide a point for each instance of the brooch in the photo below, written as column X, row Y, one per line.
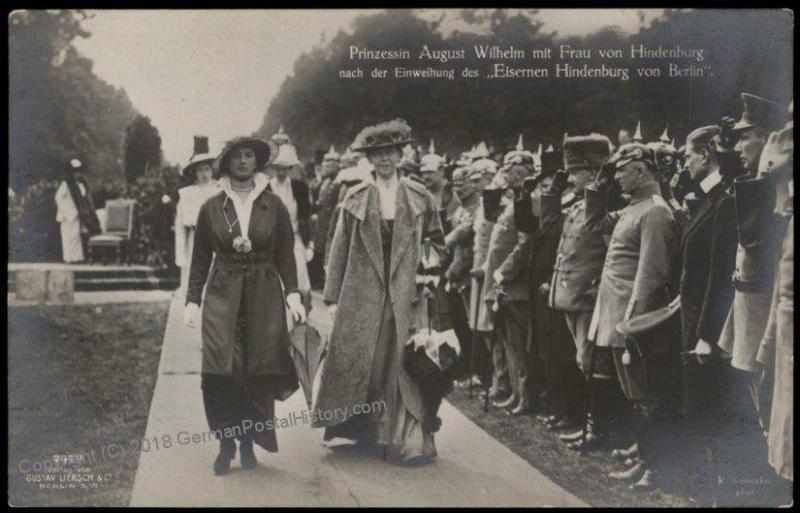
column 242, row 244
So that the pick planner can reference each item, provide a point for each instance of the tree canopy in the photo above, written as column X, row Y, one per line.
column 58, row 108
column 745, row 50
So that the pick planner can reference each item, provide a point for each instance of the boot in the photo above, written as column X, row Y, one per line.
column 646, row 482
column 593, row 441
column 624, row 454
column 577, row 434
column 227, row 450
column 629, row 474
column 565, row 423
column 246, row 455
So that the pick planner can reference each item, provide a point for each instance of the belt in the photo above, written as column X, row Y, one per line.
column 254, row 257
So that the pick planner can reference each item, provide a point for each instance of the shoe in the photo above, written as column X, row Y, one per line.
column 593, row 441
column 624, row 454
column 246, row 455
column 572, row 435
column 227, row 450
column 508, row 403
column 645, row 483
column 629, row 474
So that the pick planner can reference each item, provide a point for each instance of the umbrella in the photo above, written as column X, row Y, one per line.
column 308, row 350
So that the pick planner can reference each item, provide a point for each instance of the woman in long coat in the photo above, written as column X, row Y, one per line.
column 246, row 362
column 374, row 255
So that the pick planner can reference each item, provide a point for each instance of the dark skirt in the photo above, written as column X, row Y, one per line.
column 239, row 405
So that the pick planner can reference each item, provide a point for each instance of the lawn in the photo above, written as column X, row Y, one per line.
column 741, row 461
column 81, row 378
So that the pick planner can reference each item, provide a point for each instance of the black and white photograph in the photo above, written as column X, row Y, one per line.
column 401, row 257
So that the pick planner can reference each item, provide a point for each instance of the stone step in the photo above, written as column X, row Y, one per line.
column 105, row 278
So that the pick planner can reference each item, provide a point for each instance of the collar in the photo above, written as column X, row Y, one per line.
column 646, row 192
column 710, row 181
column 244, row 208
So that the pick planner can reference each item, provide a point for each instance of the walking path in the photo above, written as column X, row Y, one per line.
column 472, row 469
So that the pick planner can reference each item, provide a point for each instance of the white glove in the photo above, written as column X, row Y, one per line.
column 295, row 304
column 497, row 276
column 190, row 312
column 309, row 253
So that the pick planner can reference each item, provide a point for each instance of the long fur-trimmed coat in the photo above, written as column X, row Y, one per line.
column 355, row 281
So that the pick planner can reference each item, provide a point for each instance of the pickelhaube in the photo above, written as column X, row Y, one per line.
column 634, row 152
column 331, row 155
column 431, row 161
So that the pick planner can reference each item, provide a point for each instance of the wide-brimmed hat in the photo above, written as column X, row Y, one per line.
column 586, row 152
column 758, row 111
column 261, row 148
column 383, row 135
column 196, row 160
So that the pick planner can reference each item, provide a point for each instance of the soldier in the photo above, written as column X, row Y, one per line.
column 485, row 217
column 776, row 351
column 635, row 277
column 759, row 231
column 550, row 343
column 506, row 284
column 432, row 169
column 576, row 273
column 326, row 199
column 459, row 242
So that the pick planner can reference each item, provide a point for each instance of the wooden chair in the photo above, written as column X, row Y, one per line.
column 117, row 228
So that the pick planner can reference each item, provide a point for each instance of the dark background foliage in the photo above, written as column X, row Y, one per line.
column 747, row 50
column 59, row 109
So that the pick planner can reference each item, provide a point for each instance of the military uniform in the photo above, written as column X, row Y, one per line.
column 756, row 257
column 577, row 268
column 635, row 274
column 550, row 345
column 508, row 254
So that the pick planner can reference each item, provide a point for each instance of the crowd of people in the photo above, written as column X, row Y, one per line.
column 659, row 270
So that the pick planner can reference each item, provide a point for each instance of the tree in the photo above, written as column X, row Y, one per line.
column 142, row 148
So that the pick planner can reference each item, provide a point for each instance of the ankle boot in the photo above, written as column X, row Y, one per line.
column 624, row 454
column 246, row 455
column 227, row 450
column 629, row 474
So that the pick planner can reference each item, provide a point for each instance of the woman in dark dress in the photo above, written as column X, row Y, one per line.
column 246, row 362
